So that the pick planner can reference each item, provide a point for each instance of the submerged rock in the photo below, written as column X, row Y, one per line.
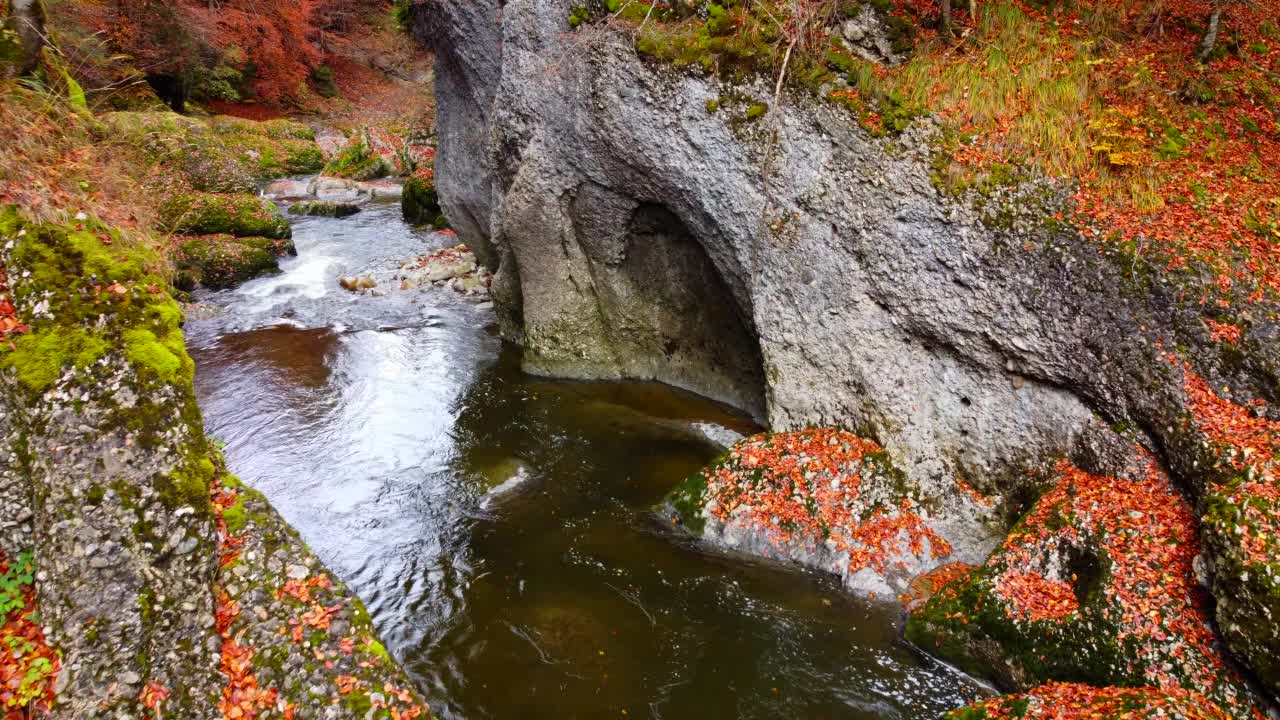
column 324, row 209
column 356, row 283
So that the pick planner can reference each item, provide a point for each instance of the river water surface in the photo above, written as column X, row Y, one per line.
column 499, row 526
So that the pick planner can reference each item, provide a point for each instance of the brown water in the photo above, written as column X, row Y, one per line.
column 499, row 526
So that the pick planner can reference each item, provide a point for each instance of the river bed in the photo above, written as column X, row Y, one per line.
column 500, row 526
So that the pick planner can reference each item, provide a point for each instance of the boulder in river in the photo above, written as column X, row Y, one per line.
column 196, row 213
column 287, row 189
column 822, row 497
column 223, row 261
column 334, row 189
column 357, row 283
column 438, row 266
column 322, row 208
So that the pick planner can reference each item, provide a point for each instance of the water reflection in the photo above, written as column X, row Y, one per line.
column 498, row 525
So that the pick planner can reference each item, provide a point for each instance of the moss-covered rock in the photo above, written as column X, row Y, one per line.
column 419, row 203
column 22, row 37
column 1094, row 585
column 100, row 410
column 324, row 209
column 1241, row 531
column 211, row 214
column 222, row 154
column 1071, row 701
column 276, row 574
column 96, row 275
column 358, row 161
column 1240, row 516
column 223, row 261
column 823, row 497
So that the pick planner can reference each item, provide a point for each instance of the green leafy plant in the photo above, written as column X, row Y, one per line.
column 13, row 583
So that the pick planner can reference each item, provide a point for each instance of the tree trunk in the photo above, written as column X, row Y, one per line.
column 946, row 17
column 26, row 21
column 1211, row 34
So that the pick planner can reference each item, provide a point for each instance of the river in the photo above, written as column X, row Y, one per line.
column 500, row 526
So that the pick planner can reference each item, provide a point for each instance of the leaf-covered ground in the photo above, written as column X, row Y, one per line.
column 28, row 666
column 1172, row 157
column 1096, row 584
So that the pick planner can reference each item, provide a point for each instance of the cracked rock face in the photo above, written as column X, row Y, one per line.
column 819, row 279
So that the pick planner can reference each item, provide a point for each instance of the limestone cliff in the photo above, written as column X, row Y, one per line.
column 795, row 266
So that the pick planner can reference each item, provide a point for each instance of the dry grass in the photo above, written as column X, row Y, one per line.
column 56, row 161
column 1032, row 91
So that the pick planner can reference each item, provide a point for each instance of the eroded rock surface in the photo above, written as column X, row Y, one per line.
column 1096, row 585
column 791, row 264
column 141, row 551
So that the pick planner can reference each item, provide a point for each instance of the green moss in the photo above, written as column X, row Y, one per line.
column 96, row 494
column 223, row 261
column 221, row 154
column 324, row 209
column 322, row 79
column 757, row 111
column 188, row 485
column 420, row 204
column 211, row 214
column 378, row 650
column 235, row 516
column 221, row 82
column 40, row 357
column 357, row 161
column 147, row 352
column 687, row 499
column 146, row 606
column 713, row 106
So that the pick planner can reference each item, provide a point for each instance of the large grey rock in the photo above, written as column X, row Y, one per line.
column 816, row 279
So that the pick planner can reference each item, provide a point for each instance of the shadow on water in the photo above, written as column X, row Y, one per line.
column 499, row 525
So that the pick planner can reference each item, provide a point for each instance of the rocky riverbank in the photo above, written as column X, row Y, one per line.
column 138, row 579
column 166, row 588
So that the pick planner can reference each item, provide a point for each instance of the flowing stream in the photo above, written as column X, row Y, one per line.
column 500, row 526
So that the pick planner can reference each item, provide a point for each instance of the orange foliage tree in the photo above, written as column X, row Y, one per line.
column 271, row 47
